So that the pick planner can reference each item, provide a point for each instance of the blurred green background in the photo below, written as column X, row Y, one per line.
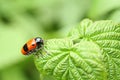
column 21, row 20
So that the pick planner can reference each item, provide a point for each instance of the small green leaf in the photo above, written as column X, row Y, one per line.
column 79, row 31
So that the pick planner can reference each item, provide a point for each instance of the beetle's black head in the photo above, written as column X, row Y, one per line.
column 39, row 42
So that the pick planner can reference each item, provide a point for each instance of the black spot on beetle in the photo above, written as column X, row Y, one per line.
column 25, row 47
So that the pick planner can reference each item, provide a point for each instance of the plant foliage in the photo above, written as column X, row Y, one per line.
column 90, row 52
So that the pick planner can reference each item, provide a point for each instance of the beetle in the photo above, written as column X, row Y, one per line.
column 32, row 46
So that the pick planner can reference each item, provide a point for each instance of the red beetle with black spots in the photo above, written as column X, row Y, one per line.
column 32, row 46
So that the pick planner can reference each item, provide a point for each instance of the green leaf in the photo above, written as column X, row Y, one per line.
column 108, row 39
column 91, row 52
column 106, row 35
column 79, row 31
column 67, row 61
